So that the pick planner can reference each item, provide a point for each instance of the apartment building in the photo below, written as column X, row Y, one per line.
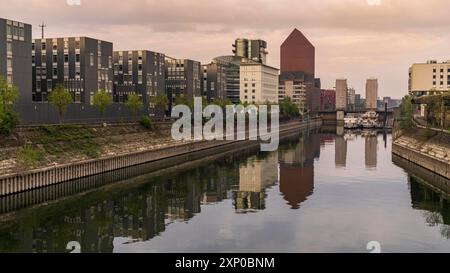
column 15, row 56
column 183, row 77
column 255, row 50
column 232, row 66
column 341, row 94
column 295, row 90
column 83, row 65
column 141, row 72
column 372, row 94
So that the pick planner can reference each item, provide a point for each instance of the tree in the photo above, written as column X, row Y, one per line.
column 160, row 101
column 102, row 100
column 134, row 103
column 60, row 98
column 183, row 100
column 9, row 94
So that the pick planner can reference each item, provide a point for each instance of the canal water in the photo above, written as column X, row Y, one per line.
column 321, row 192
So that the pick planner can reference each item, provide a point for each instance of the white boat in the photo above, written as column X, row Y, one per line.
column 351, row 123
column 370, row 120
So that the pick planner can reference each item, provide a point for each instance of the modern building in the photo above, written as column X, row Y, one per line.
column 15, row 56
column 255, row 50
column 232, row 66
column 83, row 65
column 341, row 94
column 297, row 58
column 214, row 84
column 141, row 72
column 259, row 83
column 360, row 103
column 313, row 95
column 295, row 90
column 351, row 99
column 328, row 100
column 183, row 77
column 429, row 78
column 372, row 94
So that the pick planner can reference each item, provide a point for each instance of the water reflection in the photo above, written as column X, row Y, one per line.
column 294, row 183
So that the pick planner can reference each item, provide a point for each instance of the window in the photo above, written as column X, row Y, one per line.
column 9, row 47
column 55, row 46
column 55, row 58
column 8, row 30
column 66, row 58
column 92, row 59
column 77, row 58
column 44, row 46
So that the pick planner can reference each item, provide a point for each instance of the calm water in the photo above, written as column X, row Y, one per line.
column 320, row 193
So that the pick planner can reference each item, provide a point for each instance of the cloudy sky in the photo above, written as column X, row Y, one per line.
column 354, row 39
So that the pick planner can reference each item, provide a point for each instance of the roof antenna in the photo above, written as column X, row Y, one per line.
column 43, row 26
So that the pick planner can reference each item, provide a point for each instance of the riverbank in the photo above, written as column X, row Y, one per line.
column 427, row 148
column 19, row 182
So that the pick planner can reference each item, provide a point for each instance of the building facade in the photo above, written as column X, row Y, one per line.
column 141, row 72
column 351, row 99
column 15, row 56
column 429, row 78
column 258, row 83
column 295, row 90
column 232, row 65
column 255, row 50
column 214, row 84
column 83, row 65
column 328, row 100
column 183, row 78
column 298, row 57
column 372, row 94
column 341, row 94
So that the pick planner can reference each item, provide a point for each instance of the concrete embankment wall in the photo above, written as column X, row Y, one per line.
column 16, row 183
column 426, row 161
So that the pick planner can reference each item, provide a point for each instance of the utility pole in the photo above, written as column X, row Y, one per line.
column 43, row 26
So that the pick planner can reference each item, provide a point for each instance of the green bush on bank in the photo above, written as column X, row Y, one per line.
column 8, row 121
column 29, row 156
column 146, row 122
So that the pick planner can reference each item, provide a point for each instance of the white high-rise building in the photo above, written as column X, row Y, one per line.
column 258, row 82
column 429, row 78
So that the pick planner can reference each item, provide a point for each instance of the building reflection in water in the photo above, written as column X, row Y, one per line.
column 340, row 153
column 371, row 146
column 435, row 205
column 297, row 170
column 255, row 175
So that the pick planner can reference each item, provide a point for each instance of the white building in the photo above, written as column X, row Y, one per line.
column 258, row 83
column 429, row 78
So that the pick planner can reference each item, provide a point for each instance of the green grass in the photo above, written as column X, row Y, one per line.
column 65, row 139
column 29, row 156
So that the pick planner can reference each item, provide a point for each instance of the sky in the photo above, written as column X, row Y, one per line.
column 354, row 39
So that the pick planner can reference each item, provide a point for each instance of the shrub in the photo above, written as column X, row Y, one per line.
column 8, row 121
column 146, row 122
column 29, row 156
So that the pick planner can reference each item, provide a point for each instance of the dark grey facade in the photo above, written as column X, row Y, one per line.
column 183, row 77
column 214, row 82
column 15, row 56
column 255, row 50
column 83, row 65
column 232, row 65
column 141, row 72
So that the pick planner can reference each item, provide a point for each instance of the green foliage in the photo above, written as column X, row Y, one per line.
column 61, row 139
column 8, row 121
column 9, row 94
column 406, row 113
column 288, row 109
column 147, row 122
column 134, row 103
column 222, row 103
column 60, row 98
column 102, row 100
column 29, row 156
column 183, row 100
